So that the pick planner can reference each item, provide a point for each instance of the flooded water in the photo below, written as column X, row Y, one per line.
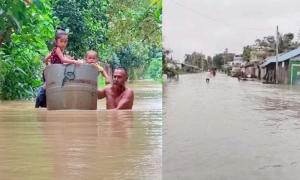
column 37, row 144
column 226, row 130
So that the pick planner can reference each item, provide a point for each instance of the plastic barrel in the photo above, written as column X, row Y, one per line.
column 79, row 93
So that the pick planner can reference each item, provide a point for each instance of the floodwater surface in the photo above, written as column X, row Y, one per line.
column 37, row 144
column 230, row 130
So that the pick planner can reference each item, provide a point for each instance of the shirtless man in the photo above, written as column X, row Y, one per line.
column 117, row 95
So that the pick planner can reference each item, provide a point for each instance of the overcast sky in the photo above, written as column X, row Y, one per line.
column 189, row 26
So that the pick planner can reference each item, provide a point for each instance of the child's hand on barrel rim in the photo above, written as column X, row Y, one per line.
column 77, row 63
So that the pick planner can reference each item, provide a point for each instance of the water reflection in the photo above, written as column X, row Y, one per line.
column 82, row 142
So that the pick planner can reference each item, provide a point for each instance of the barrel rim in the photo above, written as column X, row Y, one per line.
column 57, row 65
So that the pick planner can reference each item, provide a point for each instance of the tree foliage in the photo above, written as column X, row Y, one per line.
column 22, row 52
column 170, row 71
column 134, row 32
column 196, row 59
column 111, row 27
column 209, row 61
column 154, row 71
column 11, row 19
column 87, row 22
column 134, row 21
column 123, row 32
column 247, row 53
column 134, row 58
column 218, row 61
column 285, row 42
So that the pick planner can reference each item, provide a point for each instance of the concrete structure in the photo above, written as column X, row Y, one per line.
column 260, row 53
column 237, row 60
column 257, row 57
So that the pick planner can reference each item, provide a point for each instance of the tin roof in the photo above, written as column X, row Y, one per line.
column 282, row 57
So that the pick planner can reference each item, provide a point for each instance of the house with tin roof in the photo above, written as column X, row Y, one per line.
column 288, row 68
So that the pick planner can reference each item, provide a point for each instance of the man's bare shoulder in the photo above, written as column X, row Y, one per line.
column 129, row 92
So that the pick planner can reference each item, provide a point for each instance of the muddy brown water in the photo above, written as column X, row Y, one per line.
column 230, row 130
column 37, row 144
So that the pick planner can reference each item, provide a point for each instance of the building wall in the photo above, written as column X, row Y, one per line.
column 237, row 63
column 294, row 68
column 259, row 53
column 283, row 71
column 238, row 58
column 256, row 72
column 271, row 68
column 250, row 70
column 283, row 68
column 262, row 73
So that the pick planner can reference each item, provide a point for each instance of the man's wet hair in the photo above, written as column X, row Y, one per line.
column 123, row 69
column 59, row 32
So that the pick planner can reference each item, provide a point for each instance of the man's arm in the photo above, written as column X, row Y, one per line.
column 127, row 100
column 101, row 93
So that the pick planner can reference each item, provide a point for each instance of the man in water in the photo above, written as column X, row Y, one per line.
column 118, row 96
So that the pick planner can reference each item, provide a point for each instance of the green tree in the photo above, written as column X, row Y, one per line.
column 22, row 52
column 123, row 33
column 134, row 58
column 87, row 21
column 169, row 71
column 110, row 27
column 247, row 53
column 195, row 59
column 218, row 61
column 209, row 62
column 157, row 4
column 154, row 54
column 133, row 21
column 11, row 19
column 285, row 44
column 165, row 59
column 154, row 70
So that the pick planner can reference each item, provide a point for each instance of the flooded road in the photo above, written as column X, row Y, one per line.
column 227, row 130
column 37, row 144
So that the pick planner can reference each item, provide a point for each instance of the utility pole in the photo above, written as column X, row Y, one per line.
column 277, row 44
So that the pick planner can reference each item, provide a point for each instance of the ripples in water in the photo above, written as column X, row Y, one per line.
column 226, row 129
column 41, row 144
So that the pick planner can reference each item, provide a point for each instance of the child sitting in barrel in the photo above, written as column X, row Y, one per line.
column 91, row 58
column 56, row 56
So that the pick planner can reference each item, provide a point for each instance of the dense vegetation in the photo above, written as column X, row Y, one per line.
column 124, row 33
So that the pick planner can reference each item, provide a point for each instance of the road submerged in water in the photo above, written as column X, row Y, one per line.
column 226, row 129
